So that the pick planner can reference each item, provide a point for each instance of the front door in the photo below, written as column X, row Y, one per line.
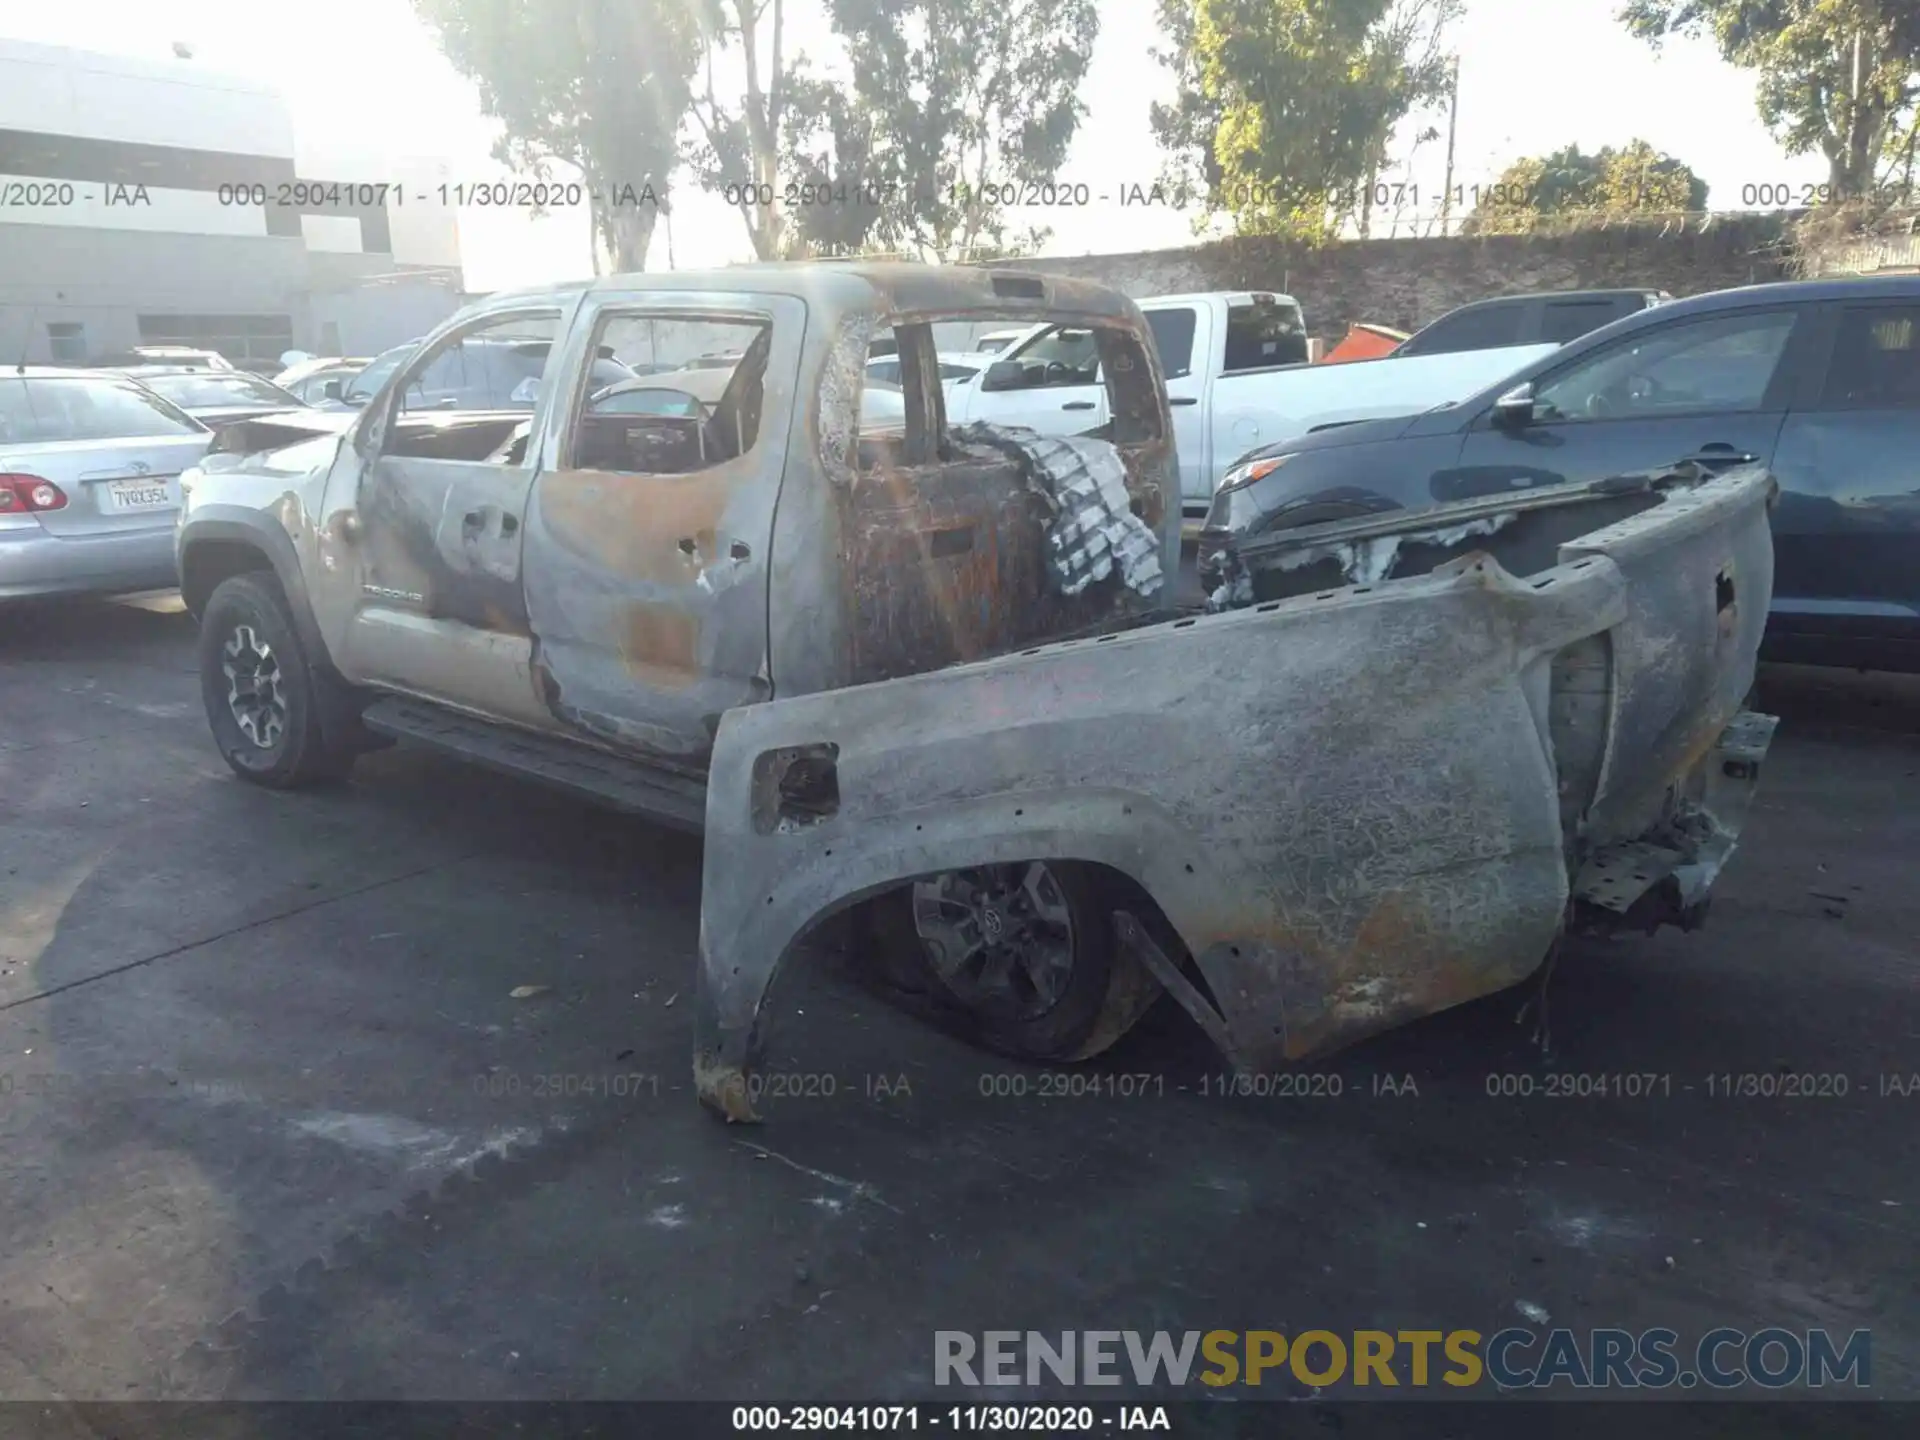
column 1059, row 391
column 1712, row 389
column 436, row 522
column 648, row 537
column 1847, row 526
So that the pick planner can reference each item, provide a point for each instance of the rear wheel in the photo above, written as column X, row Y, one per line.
column 261, row 694
column 1026, row 951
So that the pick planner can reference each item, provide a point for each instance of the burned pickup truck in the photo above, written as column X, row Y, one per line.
column 929, row 680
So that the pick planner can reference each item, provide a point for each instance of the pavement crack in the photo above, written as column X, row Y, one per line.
column 233, row 930
column 859, row 1189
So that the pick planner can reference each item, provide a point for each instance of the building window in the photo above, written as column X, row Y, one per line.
column 252, row 342
column 66, row 342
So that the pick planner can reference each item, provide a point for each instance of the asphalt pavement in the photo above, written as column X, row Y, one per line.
column 384, row 1092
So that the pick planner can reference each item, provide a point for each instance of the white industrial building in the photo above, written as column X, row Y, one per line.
column 129, row 215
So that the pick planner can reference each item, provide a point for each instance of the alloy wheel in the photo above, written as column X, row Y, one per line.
column 254, row 692
column 1000, row 936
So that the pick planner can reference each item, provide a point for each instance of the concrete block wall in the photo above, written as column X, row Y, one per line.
column 1407, row 283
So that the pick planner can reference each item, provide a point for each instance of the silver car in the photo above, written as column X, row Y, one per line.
column 90, row 468
column 216, row 397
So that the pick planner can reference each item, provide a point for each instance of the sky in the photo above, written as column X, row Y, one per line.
column 366, row 86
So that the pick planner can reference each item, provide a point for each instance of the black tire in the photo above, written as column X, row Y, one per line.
column 1076, row 1024
column 249, row 614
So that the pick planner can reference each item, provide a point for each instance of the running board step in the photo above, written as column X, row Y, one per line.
column 671, row 799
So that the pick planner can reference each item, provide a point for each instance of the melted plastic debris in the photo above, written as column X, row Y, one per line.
column 1094, row 530
column 1368, row 562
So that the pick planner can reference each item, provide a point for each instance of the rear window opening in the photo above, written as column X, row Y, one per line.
column 1264, row 334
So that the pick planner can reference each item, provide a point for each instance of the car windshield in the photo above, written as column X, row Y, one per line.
column 42, row 409
column 206, row 391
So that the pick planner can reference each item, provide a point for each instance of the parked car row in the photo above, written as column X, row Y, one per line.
column 1503, row 396
column 319, row 379
column 1238, row 376
column 90, row 465
column 1817, row 381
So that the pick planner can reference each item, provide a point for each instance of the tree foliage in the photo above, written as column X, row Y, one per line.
column 740, row 148
column 1186, row 128
column 1574, row 186
column 953, row 109
column 599, row 87
column 1836, row 76
column 1285, row 108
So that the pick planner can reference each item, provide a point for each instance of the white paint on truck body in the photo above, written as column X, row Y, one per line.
column 1237, row 378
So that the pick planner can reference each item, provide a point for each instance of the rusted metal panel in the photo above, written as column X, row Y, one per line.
column 448, row 536
column 947, row 563
column 1346, row 805
column 887, row 566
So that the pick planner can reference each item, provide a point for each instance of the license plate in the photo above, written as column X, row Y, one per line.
column 138, row 495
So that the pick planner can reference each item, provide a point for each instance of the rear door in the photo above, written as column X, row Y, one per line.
column 1847, row 526
column 1262, row 347
column 1058, row 390
column 1183, row 334
column 114, row 450
column 1712, row 388
column 649, row 534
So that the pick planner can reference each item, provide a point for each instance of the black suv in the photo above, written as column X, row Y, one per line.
column 1817, row 380
column 1549, row 319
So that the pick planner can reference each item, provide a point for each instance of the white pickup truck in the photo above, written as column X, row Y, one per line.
column 1237, row 378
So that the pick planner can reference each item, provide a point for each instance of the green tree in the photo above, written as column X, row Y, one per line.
column 1835, row 75
column 953, row 108
column 740, row 147
column 1285, row 108
column 593, row 85
column 1186, row 128
column 1573, row 186
column 1638, row 177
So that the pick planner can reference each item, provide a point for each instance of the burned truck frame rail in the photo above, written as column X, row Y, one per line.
column 1353, row 806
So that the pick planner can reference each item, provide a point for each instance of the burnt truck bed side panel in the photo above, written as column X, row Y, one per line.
column 1702, row 579
column 1347, row 805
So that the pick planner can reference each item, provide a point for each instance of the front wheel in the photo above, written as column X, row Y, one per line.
column 260, row 692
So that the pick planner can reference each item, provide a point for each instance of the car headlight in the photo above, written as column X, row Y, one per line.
column 1240, row 476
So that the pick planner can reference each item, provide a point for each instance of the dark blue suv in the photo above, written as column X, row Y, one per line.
column 1818, row 380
